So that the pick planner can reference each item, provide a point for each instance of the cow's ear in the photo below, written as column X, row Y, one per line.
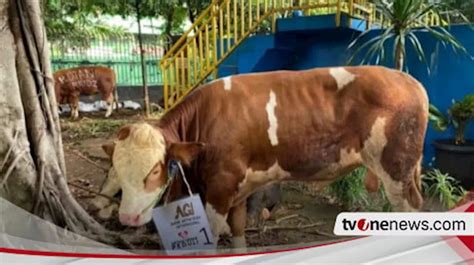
column 109, row 149
column 124, row 132
column 185, row 152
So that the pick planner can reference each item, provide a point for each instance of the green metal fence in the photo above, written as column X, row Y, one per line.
column 120, row 53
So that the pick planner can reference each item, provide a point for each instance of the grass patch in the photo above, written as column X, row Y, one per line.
column 350, row 192
column 90, row 128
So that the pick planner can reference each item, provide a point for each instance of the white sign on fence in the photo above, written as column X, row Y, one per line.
column 183, row 226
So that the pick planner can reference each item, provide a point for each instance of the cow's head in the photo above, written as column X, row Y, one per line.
column 139, row 157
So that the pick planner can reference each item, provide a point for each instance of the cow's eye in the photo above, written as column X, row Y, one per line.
column 153, row 175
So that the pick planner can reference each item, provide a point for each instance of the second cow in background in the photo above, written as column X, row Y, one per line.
column 69, row 84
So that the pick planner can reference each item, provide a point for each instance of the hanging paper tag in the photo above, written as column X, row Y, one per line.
column 183, row 226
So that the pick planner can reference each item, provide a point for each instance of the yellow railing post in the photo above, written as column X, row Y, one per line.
column 164, row 74
column 338, row 13
column 221, row 32
column 236, row 37
column 214, row 40
column 351, row 12
column 242, row 18
column 274, row 18
column 201, row 53
column 228, row 24
column 195, row 60
column 250, row 14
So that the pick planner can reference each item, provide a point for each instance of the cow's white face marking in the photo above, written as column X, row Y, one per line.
column 227, row 83
column 259, row 178
column 272, row 119
column 218, row 222
column 342, row 77
column 372, row 155
column 133, row 159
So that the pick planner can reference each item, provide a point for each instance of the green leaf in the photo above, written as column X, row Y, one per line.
column 439, row 121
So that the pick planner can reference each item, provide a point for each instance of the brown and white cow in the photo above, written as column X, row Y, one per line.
column 240, row 133
column 69, row 84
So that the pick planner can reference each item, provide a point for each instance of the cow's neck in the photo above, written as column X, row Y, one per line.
column 181, row 124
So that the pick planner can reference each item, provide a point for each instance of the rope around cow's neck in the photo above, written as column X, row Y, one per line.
column 167, row 185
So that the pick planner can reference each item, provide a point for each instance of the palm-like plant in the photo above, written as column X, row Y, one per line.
column 405, row 18
column 443, row 187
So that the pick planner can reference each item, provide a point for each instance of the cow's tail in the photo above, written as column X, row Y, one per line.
column 415, row 199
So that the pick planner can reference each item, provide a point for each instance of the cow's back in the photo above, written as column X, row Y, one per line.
column 303, row 119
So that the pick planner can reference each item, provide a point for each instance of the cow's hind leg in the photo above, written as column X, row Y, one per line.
column 402, row 194
column 110, row 104
column 74, row 104
column 393, row 153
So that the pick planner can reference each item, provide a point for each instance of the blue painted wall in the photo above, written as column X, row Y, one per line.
column 244, row 58
column 294, row 48
column 452, row 77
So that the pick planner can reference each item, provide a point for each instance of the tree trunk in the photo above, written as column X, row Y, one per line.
column 169, row 23
column 32, row 170
column 460, row 132
column 399, row 56
column 190, row 12
column 146, row 97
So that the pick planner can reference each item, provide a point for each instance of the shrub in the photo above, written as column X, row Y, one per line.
column 459, row 115
column 350, row 190
column 443, row 187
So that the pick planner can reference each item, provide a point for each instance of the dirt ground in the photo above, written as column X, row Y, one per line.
column 303, row 216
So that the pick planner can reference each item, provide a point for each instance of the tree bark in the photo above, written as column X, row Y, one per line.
column 17, row 169
column 33, row 171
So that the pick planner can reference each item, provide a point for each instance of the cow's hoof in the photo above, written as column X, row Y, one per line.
column 107, row 212
column 108, row 113
column 98, row 203
column 239, row 244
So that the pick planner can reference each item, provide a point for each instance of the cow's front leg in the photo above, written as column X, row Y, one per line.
column 74, row 104
column 109, row 189
column 217, row 220
column 110, row 106
column 237, row 220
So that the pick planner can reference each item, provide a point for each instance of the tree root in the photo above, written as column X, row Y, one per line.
column 81, row 155
column 279, row 220
column 93, row 192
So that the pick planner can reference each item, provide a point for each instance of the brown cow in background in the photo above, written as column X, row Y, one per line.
column 70, row 83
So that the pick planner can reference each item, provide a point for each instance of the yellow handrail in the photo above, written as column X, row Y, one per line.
column 224, row 24
column 196, row 23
